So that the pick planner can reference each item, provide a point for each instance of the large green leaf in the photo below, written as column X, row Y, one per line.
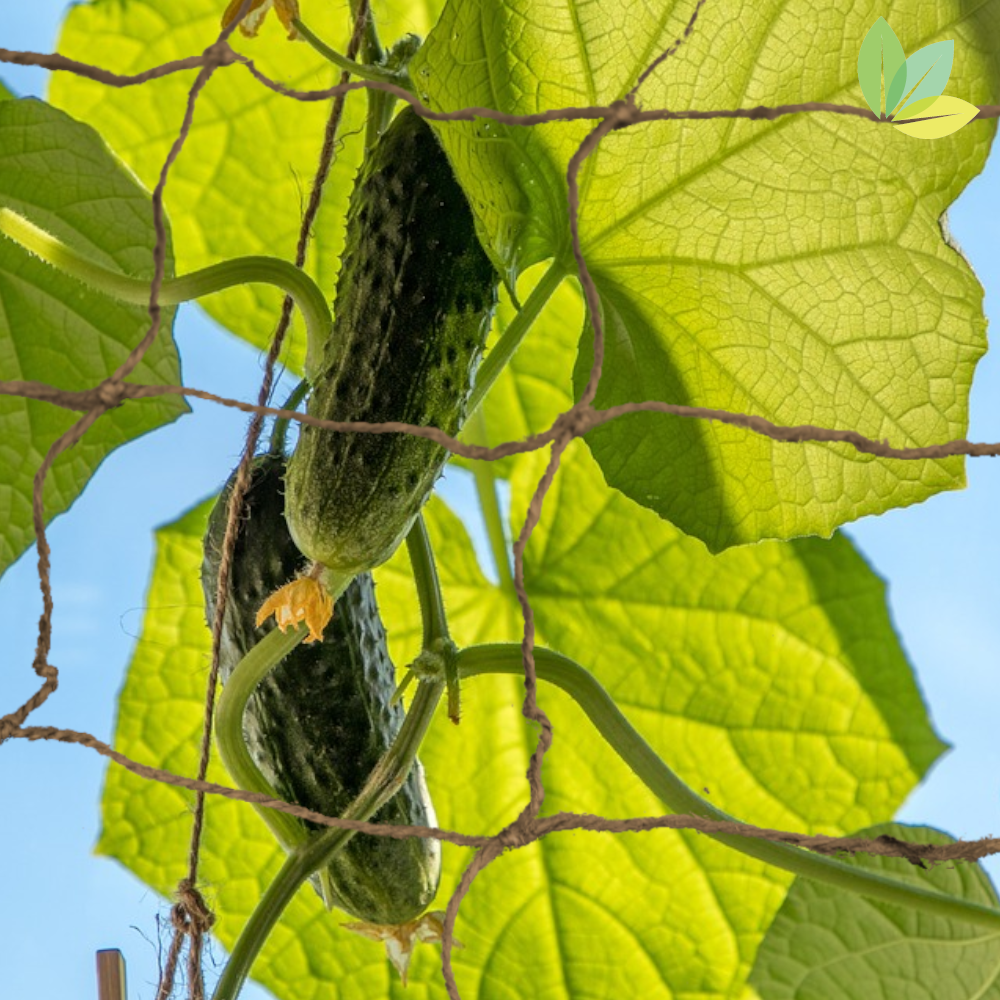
column 243, row 178
column 829, row 945
column 799, row 269
column 53, row 329
column 770, row 675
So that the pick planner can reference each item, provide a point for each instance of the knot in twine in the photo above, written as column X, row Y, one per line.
column 575, row 422
column 624, row 111
column 220, row 53
column 7, row 728
column 110, row 393
column 515, row 835
column 189, row 914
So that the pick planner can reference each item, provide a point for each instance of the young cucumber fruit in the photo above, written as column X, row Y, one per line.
column 322, row 718
column 415, row 298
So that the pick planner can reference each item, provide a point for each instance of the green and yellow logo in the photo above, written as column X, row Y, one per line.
column 922, row 112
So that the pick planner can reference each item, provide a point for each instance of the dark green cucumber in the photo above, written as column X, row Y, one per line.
column 415, row 299
column 321, row 720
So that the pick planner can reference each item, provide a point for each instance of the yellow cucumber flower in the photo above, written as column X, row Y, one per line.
column 303, row 600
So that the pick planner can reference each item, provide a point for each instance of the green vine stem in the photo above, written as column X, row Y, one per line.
column 236, row 692
column 375, row 65
column 432, row 613
column 380, row 102
column 503, row 350
column 215, row 278
column 383, row 783
column 579, row 684
column 372, row 54
column 279, row 432
column 363, row 71
column 371, row 48
column 267, row 654
column 247, row 674
column 438, row 652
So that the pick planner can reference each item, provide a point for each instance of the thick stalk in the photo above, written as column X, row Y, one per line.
column 579, row 684
column 371, row 48
column 380, row 108
column 380, row 103
column 438, row 645
column 239, row 271
column 503, row 350
column 279, row 431
column 384, row 782
column 432, row 613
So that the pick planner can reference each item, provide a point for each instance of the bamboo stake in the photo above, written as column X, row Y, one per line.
column 110, row 975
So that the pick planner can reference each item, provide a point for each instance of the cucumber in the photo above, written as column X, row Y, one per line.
column 322, row 719
column 415, row 299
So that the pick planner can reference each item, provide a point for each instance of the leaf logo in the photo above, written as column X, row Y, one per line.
column 928, row 115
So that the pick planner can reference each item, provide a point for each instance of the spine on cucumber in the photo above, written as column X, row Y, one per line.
column 322, row 719
column 415, row 298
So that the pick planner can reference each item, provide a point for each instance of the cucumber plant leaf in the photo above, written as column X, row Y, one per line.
column 797, row 269
column 243, row 178
column 54, row 329
column 829, row 945
column 800, row 713
column 640, row 605
column 927, row 71
column 881, row 58
column 726, row 306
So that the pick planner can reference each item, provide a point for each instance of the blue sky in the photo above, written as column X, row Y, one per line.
column 938, row 559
